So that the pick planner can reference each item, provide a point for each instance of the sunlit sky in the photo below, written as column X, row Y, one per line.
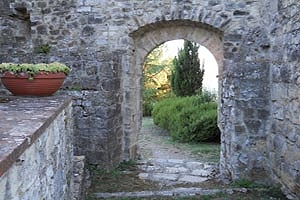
column 210, row 80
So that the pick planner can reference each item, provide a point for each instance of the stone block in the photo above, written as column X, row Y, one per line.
column 84, row 9
column 43, row 165
column 143, row 175
column 279, row 91
column 3, row 183
column 192, row 179
column 175, row 161
column 165, row 176
column 201, row 172
column 195, row 165
column 176, row 170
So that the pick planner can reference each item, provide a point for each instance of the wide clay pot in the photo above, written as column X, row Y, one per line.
column 41, row 84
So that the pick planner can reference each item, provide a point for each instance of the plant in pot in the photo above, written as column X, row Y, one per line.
column 33, row 79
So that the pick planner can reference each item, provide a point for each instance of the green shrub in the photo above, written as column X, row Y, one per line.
column 163, row 111
column 197, row 124
column 189, row 119
column 207, row 96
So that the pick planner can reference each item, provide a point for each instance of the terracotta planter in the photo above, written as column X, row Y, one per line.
column 43, row 83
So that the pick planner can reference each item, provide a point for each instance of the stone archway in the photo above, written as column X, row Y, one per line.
column 259, row 76
column 243, row 90
column 145, row 40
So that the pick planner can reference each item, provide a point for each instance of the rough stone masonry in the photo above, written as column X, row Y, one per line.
column 256, row 45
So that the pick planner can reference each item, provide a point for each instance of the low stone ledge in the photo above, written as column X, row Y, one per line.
column 22, row 121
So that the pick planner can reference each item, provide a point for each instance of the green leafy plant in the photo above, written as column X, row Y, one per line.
column 189, row 119
column 246, row 184
column 156, row 83
column 32, row 69
column 44, row 48
column 127, row 165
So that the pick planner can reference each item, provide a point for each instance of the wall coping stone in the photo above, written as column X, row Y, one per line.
column 22, row 121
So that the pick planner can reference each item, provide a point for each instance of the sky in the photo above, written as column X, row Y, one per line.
column 210, row 80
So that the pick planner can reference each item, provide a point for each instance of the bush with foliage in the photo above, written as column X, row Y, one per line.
column 189, row 119
column 149, row 100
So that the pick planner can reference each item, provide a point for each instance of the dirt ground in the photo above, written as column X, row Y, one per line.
column 156, row 143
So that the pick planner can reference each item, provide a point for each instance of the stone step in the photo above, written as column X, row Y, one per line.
column 182, row 192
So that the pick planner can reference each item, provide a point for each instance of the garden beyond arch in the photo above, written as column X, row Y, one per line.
column 145, row 40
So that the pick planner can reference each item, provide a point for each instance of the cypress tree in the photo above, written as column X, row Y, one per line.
column 187, row 75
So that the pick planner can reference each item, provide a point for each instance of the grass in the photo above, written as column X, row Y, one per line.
column 127, row 165
column 209, row 152
column 245, row 184
column 123, row 178
column 116, row 181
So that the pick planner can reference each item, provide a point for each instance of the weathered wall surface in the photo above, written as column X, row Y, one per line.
column 284, row 138
column 15, row 32
column 106, row 41
column 99, row 41
column 45, row 168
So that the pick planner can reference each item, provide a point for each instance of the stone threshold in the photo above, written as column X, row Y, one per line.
column 180, row 192
column 22, row 121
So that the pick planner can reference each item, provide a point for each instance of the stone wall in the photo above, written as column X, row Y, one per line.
column 36, row 149
column 284, row 138
column 15, row 32
column 78, row 37
column 101, row 46
column 105, row 43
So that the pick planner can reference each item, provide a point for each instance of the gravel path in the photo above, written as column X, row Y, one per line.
column 155, row 142
column 163, row 161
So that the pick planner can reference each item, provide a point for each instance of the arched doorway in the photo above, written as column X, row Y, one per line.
column 145, row 40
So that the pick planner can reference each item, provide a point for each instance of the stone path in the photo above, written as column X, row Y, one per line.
column 173, row 171
column 166, row 163
column 177, row 192
column 176, row 173
column 169, row 166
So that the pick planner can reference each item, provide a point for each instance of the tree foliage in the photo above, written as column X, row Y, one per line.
column 187, row 75
column 156, row 83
